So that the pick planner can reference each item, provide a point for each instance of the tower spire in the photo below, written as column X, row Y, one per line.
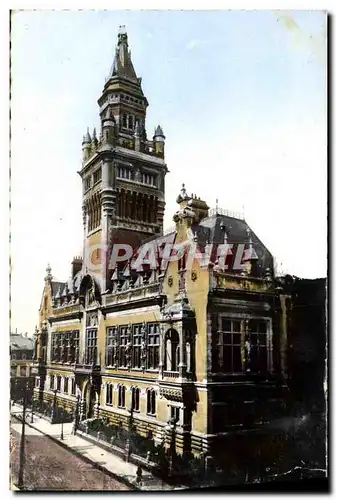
column 122, row 65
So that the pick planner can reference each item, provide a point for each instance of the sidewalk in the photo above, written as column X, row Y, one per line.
column 101, row 459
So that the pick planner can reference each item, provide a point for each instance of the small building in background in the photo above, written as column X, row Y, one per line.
column 22, row 358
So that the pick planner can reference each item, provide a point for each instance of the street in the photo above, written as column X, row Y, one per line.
column 48, row 466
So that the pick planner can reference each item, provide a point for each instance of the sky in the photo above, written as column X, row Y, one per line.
column 241, row 97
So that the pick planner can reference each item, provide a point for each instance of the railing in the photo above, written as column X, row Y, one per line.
column 225, row 212
column 170, row 374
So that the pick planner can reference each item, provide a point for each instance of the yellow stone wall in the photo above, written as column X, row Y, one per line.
column 197, row 292
column 46, row 308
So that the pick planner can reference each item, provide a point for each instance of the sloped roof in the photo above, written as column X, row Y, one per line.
column 210, row 230
column 19, row 342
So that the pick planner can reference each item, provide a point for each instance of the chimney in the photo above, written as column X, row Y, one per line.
column 76, row 265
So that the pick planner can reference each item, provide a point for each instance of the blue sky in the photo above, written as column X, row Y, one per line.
column 241, row 97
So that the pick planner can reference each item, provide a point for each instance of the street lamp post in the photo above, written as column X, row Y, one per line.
column 77, row 408
column 34, row 373
column 62, row 429
column 54, row 406
column 31, row 416
column 22, row 441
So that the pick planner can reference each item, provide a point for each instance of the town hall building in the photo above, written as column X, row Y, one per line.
column 198, row 338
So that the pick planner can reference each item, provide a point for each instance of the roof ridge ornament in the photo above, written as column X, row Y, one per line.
column 49, row 276
column 182, row 196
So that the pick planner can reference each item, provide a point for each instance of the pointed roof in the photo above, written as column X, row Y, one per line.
column 87, row 137
column 122, row 65
column 159, row 132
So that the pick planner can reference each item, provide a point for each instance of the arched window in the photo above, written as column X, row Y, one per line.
column 73, row 387
column 135, row 398
column 130, row 122
column 108, row 394
column 65, row 386
column 121, row 396
column 124, row 121
column 151, row 402
column 172, row 350
column 52, row 379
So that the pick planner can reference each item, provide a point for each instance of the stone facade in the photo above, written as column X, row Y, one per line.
column 192, row 343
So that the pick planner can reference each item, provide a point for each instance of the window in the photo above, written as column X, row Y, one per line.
column 124, row 173
column 66, row 385
column 13, row 356
column 172, row 350
column 73, row 387
column 94, row 212
column 121, row 396
column 151, row 402
column 148, row 179
column 124, row 121
column 130, row 122
column 228, row 359
column 109, row 394
column 137, row 345
column 175, row 413
column 123, row 340
column 73, row 346
column 58, row 382
column 22, row 371
column 65, row 346
column 97, row 175
column 153, row 340
column 52, row 381
column 37, row 382
column 56, row 347
column 258, row 349
column 135, row 398
column 87, row 183
column 111, row 346
column 91, row 347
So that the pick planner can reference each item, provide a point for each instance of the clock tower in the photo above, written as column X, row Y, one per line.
column 123, row 172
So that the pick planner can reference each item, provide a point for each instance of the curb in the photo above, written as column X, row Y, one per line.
column 97, row 466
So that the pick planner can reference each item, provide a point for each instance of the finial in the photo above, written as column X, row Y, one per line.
column 183, row 196
column 48, row 271
column 94, row 134
column 216, row 206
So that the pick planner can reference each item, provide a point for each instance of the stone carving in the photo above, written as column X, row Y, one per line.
column 92, row 319
column 92, row 292
column 171, row 394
